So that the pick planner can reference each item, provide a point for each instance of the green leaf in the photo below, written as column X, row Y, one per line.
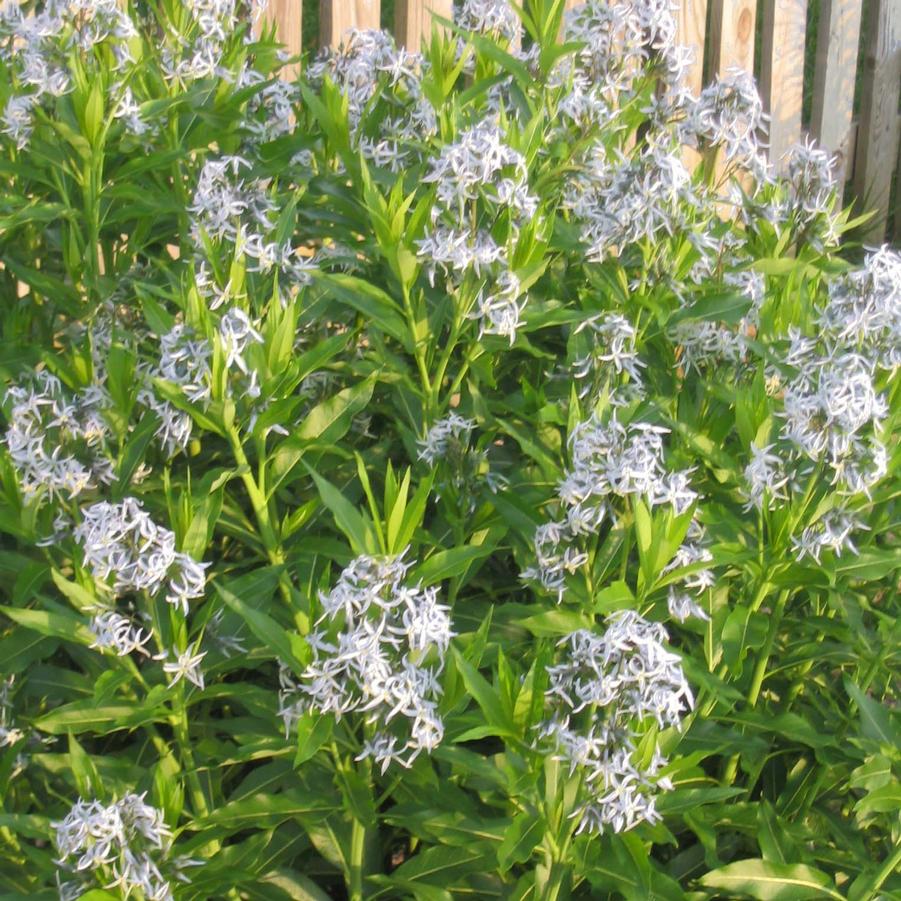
column 363, row 476
column 207, row 499
column 133, row 453
column 273, row 636
column 775, row 842
column 93, row 113
column 555, row 622
column 29, row 581
column 263, row 811
column 376, row 306
column 412, row 515
column 485, row 696
column 86, row 779
column 357, row 794
column 886, row 799
column 329, row 421
column 54, row 625
column 632, row 860
column 780, row 266
column 724, row 306
column 875, row 720
column 743, row 631
column 507, row 62
column 313, row 731
column 615, row 596
column 87, row 716
column 789, row 725
column 319, row 354
column 446, row 564
column 176, row 397
column 44, row 283
column 874, row 773
column 397, row 511
column 78, row 595
column 439, row 865
column 295, row 885
column 27, row 824
column 644, row 531
column 447, row 827
column 683, row 799
column 22, row 648
column 168, row 790
column 158, row 318
column 869, row 565
column 769, row 881
column 523, row 836
column 354, row 525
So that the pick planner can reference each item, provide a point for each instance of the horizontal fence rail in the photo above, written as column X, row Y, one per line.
column 723, row 34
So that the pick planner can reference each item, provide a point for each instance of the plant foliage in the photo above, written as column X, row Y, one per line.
column 465, row 474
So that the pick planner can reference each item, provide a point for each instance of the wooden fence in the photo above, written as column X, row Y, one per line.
column 724, row 34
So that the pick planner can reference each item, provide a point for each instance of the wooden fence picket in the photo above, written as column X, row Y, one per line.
column 286, row 14
column 413, row 20
column 337, row 16
column 879, row 128
column 867, row 153
column 730, row 45
column 896, row 237
column 691, row 25
column 833, row 81
column 782, row 73
column 731, row 35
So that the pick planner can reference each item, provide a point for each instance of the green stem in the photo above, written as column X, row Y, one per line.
column 764, row 658
column 760, row 596
column 258, row 501
column 178, row 185
column 464, row 369
column 442, row 366
column 92, row 177
column 257, row 494
column 357, row 855
column 625, row 552
column 558, row 835
column 759, row 674
column 870, row 674
column 798, row 683
column 195, row 789
column 417, row 348
column 555, row 882
column 189, row 767
column 890, row 866
column 790, row 526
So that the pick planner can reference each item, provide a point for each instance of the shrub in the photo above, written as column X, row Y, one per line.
column 465, row 474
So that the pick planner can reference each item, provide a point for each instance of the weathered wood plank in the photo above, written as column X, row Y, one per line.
column 731, row 35
column 413, row 20
column 730, row 45
column 835, row 70
column 286, row 14
column 782, row 72
column 691, row 24
column 338, row 16
column 878, row 131
column 896, row 238
column 691, row 32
